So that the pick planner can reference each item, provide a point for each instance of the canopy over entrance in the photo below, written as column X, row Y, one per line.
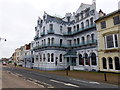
column 71, row 53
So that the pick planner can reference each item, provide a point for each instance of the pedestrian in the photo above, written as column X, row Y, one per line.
column 15, row 64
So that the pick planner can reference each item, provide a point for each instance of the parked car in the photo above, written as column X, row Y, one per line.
column 4, row 63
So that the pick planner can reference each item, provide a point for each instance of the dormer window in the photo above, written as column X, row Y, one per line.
column 87, row 12
column 60, row 28
column 69, row 30
column 68, row 18
column 77, row 17
column 44, row 28
column 92, row 12
column 38, row 22
column 44, row 17
column 41, row 21
column 51, row 26
column 35, row 28
column 81, row 14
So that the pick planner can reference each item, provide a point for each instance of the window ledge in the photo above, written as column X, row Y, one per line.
column 112, row 50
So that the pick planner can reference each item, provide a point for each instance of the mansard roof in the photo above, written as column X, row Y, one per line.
column 57, row 20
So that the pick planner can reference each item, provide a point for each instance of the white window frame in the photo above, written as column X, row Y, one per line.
column 105, row 38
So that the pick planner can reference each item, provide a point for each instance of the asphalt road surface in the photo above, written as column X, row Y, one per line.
column 46, row 80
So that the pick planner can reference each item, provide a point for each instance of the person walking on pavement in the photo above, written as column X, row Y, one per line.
column 15, row 64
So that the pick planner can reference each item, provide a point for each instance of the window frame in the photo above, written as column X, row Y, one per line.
column 114, row 41
column 103, row 24
column 115, row 21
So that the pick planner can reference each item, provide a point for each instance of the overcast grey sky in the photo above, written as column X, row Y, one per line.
column 18, row 18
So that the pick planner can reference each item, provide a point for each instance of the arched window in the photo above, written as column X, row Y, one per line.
column 110, row 63
column 88, row 38
column 117, row 63
column 87, row 23
column 48, row 55
column 60, row 57
column 43, row 57
column 75, row 41
column 77, row 27
column 80, row 59
column 92, row 37
column 82, row 25
column 83, row 40
column 78, row 41
column 104, row 63
column 93, row 59
column 44, row 41
column 52, row 57
column 52, row 41
column 86, row 59
column 36, row 57
column 48, row 41
column 74, row 28
column 44, row 29
column 91, row 21
column 40, row 57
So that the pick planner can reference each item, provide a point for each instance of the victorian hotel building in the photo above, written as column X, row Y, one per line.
column 71, row 41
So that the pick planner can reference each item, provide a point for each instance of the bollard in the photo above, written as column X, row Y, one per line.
column 105, row 76
column 67, row 72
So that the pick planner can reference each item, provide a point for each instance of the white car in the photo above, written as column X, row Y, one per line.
column 4, row 63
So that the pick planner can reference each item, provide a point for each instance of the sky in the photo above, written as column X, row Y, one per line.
column 18, row 18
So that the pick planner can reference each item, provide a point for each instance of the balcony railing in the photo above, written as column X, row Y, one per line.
column 85, row 43
column 42, row 33
column 36, row 37
column 49, row 45
column 50, row 31
column 66, row 46
column 81, row 29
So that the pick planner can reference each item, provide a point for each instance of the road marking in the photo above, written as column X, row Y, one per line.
column 94, row 82
column 79, row 80
column 40, row 82
column 85, row 81
column 35, row 83
column 68, row 84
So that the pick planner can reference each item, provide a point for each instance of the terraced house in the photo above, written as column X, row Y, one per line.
column 108, row 27
column 68, row 41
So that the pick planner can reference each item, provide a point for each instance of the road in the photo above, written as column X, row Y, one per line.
column 47, row 80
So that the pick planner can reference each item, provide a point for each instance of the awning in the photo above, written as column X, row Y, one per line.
column 71, row 53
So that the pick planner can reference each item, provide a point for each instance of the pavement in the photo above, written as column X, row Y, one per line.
column 10, row 80
column 48, row 80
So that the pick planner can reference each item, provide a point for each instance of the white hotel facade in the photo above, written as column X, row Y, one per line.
column 69, row 41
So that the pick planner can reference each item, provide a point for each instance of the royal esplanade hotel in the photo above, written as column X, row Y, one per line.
column 70, row 41
column 77, row 42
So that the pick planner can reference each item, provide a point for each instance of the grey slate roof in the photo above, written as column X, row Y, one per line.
column 57, row 20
